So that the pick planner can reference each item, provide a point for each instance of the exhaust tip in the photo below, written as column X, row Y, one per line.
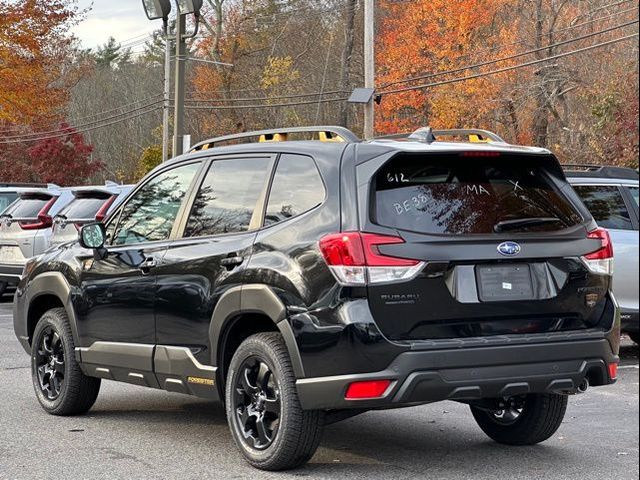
column 584, row 386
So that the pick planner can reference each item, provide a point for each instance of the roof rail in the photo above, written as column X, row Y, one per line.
column 428, row 135
column 325, row 134
column 601, row 171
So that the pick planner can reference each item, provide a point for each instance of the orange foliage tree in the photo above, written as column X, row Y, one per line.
column 429, row 37
column 33, row 42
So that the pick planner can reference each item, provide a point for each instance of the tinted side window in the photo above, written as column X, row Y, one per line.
column 297, row 188
column 607, row 206
column 150, row 214
column 228, row 197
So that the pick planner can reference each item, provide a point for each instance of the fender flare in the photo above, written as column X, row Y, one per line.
column 253, row 299
column 55, row 284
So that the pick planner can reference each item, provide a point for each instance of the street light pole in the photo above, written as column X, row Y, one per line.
column 369, row 65
column 167, row 92
column 178, row 116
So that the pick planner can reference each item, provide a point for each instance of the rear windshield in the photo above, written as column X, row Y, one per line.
column 6, row 199
column 28, row 206
column 84, row 208
column 451, row 194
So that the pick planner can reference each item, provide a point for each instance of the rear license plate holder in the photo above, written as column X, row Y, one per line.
column 504, row 283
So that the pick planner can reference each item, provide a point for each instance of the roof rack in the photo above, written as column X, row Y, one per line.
column 324, row 133
column 428, row 135
column 601, row 171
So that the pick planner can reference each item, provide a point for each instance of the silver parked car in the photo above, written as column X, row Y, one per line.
column 90, row 204
column 26, row 228
column 611, row 194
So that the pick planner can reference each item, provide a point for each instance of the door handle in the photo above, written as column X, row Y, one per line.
column 231, row 262
column 148, row 264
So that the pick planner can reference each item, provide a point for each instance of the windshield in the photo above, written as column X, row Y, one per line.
column 450, row 194
column 6, row 199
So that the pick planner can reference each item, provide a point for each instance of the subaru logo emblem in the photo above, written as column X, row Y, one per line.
column 509, row 249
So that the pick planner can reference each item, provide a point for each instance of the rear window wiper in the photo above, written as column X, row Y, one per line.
column 523, row 222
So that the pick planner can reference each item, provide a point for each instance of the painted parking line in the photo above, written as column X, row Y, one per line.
column 629, row 367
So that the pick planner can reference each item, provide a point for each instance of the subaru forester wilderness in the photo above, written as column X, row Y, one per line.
column 303, row 282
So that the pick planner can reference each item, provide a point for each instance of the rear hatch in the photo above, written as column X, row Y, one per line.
column 87, row 206
column 20, row 224
column 486, row 243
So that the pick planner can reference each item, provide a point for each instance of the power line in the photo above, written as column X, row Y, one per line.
column 273, row 105
column 507, row 69
column 437, row 74
column 266, row 99
column 510, row 57
column 38, row 135
column 86, row 117
column 73, row 130
column 477, row 53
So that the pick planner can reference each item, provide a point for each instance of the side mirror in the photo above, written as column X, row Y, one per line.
column 93, row 236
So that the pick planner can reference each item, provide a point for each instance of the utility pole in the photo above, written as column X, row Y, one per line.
column 181, row 57
column 167, row 92
column 369, row 65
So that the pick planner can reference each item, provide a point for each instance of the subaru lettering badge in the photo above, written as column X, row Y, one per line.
column 509, row 249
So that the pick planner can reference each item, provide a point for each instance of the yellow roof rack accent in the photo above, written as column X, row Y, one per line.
column 330, row 137
column 273, row 137
column 474, row 138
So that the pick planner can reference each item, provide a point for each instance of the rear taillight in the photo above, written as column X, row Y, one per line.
column 601, row 260
column 43, row 219
column 355, row 259
column 613, row 371
column 104, row 209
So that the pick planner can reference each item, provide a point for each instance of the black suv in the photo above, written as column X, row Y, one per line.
column 304, row 282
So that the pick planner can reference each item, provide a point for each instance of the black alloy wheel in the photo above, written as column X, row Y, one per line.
column 509, row 411
column 50, row 363
column 257, row 403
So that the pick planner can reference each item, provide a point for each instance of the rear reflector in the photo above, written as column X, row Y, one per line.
column 601, row 260
column 613, row 371
column 367, row 390
column 355, row 259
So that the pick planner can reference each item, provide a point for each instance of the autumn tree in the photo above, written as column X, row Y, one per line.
column 63, row 160
column 34, row 41
column 431, row 37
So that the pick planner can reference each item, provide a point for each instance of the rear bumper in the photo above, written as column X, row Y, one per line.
column 471, row 374
column 10, row 274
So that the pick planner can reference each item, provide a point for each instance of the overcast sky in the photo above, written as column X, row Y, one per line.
column 121, row 19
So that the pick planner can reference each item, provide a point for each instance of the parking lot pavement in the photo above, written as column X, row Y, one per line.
column 135, row 433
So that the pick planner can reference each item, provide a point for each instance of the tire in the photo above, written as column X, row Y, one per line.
column 61, row 387
column 288, row 441
column 538, row 420
column 635, row 336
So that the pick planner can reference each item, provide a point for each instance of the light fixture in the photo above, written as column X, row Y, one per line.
column 189, row 6
column 156, row 9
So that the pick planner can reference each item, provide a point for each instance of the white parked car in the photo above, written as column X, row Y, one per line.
column 26, row 227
